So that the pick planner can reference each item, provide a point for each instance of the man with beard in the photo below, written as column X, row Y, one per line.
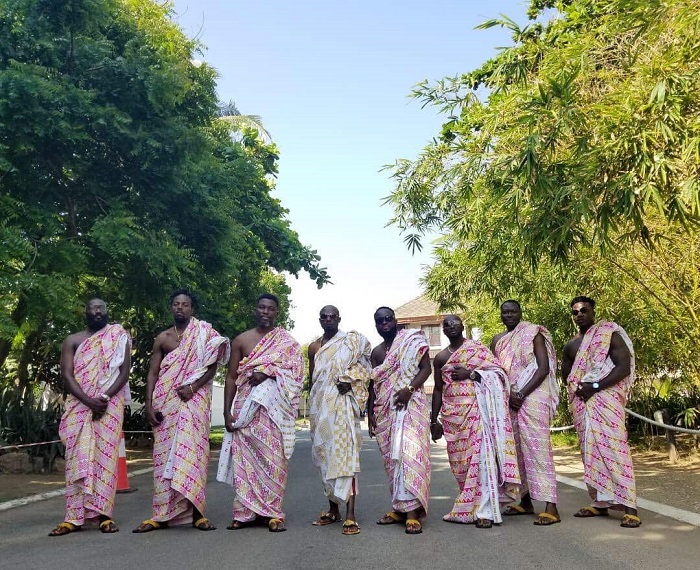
column 261, row 398
column 95, row 369
column 339, row 370
column 470, row 391
column 526, row 353
column 398, row 415
column 598, row 369
column 178, row 406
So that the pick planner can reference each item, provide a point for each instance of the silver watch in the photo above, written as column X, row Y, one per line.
column 595, row 386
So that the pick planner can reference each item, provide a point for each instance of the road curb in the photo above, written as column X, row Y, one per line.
column 7, row 505
column 658, row 508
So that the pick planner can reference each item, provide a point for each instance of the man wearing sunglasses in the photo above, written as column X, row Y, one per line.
column 339, row 371
column 399, row 415
column 598, row 368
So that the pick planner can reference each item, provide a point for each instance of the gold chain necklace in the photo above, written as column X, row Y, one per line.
column 179, row 335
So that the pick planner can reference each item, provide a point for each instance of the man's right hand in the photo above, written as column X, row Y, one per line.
column 436, row 431
column 97, row 405
column 371, row 425
column 151, row 416
column 228, row 422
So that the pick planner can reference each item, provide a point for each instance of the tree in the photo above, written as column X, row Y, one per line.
column 568, row 164
column 118, row 179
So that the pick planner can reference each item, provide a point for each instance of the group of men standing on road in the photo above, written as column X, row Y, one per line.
column 496, row 407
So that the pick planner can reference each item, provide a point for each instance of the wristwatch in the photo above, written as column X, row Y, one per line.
column 473, row 375
column 411, row 389
column 104, row 397
column 595, row 386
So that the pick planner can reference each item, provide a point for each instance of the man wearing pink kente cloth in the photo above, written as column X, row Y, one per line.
column 261, row 400
column 398, row 415
column 471, row 394
column 526, row 352
column 178, row 406
column 95, row 368
column 598, row 369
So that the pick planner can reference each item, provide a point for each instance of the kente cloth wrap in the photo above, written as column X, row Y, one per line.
column 600, row 422
column 92, row 445
column 334, row 418
column 479, row 435
column 254, row 457
column 181, row 441
column 403, row 435
column 515, row 352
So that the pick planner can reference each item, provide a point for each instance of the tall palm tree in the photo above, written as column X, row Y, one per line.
column 229, row 113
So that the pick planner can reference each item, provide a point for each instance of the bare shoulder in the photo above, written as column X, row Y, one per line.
column 247, row 341
column 571, row 347
column 74, row 340
column 313, row 347
column 378, row 355
column 495, row 340
column 441, row 357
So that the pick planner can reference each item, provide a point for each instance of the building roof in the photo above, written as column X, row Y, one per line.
column 417, row 308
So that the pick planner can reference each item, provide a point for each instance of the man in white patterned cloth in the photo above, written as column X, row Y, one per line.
column 339, row 370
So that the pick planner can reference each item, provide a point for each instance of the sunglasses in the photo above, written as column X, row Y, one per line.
column 582, row 310
column 384, row 319
column 328, row 316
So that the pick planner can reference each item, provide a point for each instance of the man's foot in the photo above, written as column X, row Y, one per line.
column 238, row 525
column 516, row 510
column 149, row 525
column 203, row 523
column 326, row 519
column 65, row 528
column 108, row 526
column 276, row 525
column 484, row 523
column 351, row 527
column 413, row 526
column 631, row 521
column 545, row 519
column 589, row 512
column 392, row 517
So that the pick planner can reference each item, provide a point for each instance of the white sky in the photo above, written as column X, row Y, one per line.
column 330, row 80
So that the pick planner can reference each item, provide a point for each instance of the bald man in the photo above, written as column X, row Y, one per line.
column 339, row 370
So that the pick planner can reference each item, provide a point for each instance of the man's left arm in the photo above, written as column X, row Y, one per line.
column 124, row 370
column 542, row 358
column 404, row 395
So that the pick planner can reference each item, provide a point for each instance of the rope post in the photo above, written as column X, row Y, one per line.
column 661, row 416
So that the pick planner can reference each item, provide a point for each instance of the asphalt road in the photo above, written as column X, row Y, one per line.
column 575, row 543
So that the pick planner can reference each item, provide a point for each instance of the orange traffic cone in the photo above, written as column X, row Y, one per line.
column 122, row 477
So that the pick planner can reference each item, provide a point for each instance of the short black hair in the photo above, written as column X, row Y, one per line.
column 269, row 296
column 187, row 293
column 393, row 314
column 582, row 299
column 511, row 301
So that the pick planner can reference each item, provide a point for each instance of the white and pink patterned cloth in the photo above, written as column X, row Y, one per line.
column 515, row 352
column 403, row 436
column 92, row 445
column 336, row 437
column 181, row 441
column 254, row 458
column 600, row 421
column 479, row 435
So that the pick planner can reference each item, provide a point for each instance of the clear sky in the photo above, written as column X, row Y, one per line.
column 331, row 80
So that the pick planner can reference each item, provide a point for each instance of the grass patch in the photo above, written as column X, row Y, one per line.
column 564, row 438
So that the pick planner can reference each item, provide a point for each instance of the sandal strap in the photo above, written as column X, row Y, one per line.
column 630, row 517
column 548, row 516
column 106, row 523
column 65, row 524
column 201, row 521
